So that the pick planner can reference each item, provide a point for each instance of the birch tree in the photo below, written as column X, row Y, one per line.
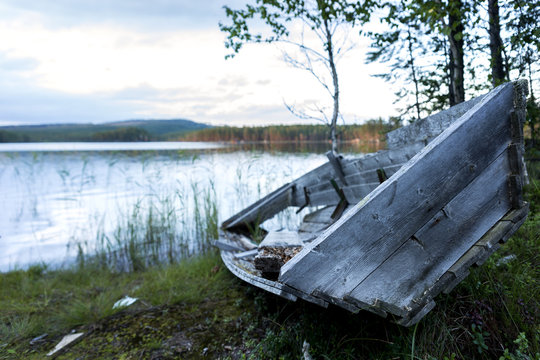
column 323, row 19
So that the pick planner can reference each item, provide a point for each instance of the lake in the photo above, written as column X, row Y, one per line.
column 61, row 201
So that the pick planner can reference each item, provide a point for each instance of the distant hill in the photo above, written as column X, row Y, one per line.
column 129, row 130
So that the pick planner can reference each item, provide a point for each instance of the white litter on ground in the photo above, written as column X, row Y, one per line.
column 66, row 340
column 125, row 301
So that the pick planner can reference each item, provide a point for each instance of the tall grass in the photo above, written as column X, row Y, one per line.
column 159, row 229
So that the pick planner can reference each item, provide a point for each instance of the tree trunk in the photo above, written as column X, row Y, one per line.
column 335, row 96
column 495, row 44
column 413, row 71
column 456, row 62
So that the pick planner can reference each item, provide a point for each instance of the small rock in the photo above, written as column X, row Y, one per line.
column 179, row 342
column 205, row 351
column 228, row 348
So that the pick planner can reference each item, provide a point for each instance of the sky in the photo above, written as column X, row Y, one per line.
column 81, row 61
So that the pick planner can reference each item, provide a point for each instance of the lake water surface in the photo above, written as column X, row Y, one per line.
column 58, row 199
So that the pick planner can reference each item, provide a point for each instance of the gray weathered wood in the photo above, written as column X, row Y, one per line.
column 366, row 235
column 320, row 216
column 370, row 176
column 486, row 245
column 418, row 233
column 517, row 214
column 343, row 304
column 409, row 321
column 307, row 297
column 381, row 159
column 312, row 227
column 402, row 279
column 516, row 191
column 262, row 209
column 353, row 193
column 428, row 128
column 515, row 159
column 456, row 280
column 246, row 254
column 281, row 239
column 268, row 285
column 227, row 246
column 336, row 165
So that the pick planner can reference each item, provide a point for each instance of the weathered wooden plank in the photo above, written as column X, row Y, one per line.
column 357, row 192
column 500, row 233
column 270, row 286
column 282, row 239
column 516, row 191
column 366, row 235
column 370, row 176
column 307, row 237
column 360, row 179
column 516, row 128
column 321, row 198
column 353, row 194
column 288, row 195
column 515, row 158
column 402, row 279
column 381, row 159
column 343, row 304
column 312, row 227
column 517, row 214
column 262, row 209
column 320, row 216
column 336, row 165
column 319, row 179
column 456, row 280
column 227, row 245
column 409, row 321
column 324, row 186
column 307, row 297
column 350, row 304
column 429, row 127
column 486, row 245
column 246, row 254
column 322, row 174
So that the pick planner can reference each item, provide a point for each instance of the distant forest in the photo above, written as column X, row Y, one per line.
column 184, row 130
column 123, row 131
column 372, row 130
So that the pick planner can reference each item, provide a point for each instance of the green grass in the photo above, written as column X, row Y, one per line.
column 39, row 301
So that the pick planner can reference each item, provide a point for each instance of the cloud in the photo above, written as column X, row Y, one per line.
column 102, row 60
column 17, row 64
column 149, row 15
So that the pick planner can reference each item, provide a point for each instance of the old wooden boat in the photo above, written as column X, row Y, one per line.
column 395, row 228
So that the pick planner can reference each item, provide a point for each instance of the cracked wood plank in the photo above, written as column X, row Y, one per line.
column 400, row 282
column 366, row 235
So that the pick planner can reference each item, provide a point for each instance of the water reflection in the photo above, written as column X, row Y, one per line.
column 56, row 204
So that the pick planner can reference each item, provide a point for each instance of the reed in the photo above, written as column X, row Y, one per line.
column 159, row 229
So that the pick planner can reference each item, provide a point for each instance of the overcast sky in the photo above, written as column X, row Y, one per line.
column 101, row 60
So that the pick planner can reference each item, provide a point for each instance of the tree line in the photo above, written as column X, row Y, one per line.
column 370, row 131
